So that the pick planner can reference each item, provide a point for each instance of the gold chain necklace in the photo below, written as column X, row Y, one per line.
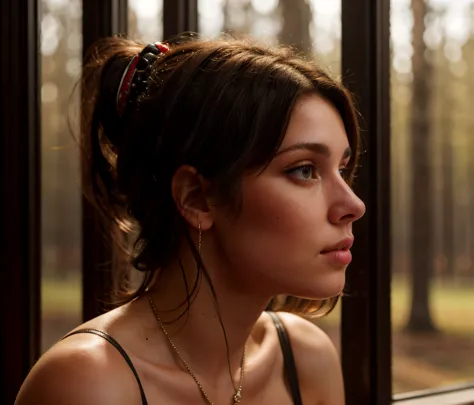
column 238, row 392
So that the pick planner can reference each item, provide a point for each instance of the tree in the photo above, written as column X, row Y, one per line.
column 296, row 20
column 468, row 56
column 295, row 17
column 420, row 319
column 60, row 173
column 446, row 110
column 245, row 25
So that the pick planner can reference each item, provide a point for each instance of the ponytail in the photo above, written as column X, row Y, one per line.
column 101, row 126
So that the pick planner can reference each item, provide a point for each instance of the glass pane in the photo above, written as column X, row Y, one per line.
column 312, row 26
column 432, row 193
column 145, row 20
column 61, row 49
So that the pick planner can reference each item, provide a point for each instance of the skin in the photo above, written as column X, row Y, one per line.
column 291, row 212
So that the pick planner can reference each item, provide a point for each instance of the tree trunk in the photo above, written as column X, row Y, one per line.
column 446, row 106
column 448, row 195
column 296, row 15
column 422, row 240
column 228, row 8
column 470, row 169
column 468, row 52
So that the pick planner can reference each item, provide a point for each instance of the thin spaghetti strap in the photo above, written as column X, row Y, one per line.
column 120, row 349
column 290, row 367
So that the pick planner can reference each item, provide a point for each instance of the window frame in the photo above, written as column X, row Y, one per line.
column 179, row 16
column 20, row 212
column 459, row 395
column 365, row 318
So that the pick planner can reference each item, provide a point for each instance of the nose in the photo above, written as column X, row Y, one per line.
column 347, row 208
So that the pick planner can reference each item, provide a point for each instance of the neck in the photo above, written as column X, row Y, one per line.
column 201, row 334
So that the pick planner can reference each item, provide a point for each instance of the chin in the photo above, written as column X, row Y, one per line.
column 321, row 287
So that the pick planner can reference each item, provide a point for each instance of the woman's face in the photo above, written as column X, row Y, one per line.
column 294, row 230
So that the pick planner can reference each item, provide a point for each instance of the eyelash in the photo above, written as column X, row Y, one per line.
column 297, row 169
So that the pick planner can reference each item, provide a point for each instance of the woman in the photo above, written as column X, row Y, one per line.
column 233, row 161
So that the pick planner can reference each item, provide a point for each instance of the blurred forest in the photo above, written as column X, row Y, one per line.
column 432, row 92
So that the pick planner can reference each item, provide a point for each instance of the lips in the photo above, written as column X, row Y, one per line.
column 344, row 244
column 339, row 254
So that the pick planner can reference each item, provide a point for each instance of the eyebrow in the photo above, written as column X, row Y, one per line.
column 318, row 148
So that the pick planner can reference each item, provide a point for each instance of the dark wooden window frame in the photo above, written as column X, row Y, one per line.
column 179, row 16
column 365, row 321
column 20, row 211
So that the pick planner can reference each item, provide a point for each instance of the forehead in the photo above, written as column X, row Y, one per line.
column 314, row 119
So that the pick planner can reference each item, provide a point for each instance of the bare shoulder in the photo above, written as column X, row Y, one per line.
column 317, row 361
column 82, row 369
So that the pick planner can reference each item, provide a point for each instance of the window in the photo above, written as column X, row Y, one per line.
column 145, row 20
column 313, row 27
column 61, row 60
column 415, row 177
column 432, row 194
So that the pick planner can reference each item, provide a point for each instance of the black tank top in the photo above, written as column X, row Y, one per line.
column 290, row 368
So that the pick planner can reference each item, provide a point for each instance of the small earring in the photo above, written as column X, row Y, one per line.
column 199, row 238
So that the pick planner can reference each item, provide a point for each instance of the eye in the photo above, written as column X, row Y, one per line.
column 304, row 172
column 344, row 172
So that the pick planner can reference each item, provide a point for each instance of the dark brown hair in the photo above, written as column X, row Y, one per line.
column 221, row 106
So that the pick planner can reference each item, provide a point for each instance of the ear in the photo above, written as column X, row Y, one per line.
column 189, row 191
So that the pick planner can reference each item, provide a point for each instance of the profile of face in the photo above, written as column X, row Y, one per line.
column 294, row 230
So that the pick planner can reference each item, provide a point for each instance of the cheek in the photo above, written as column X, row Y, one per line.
column 277, row 210
column 278, row 231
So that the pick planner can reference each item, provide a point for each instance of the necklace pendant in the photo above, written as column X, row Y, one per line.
column 237, row 397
